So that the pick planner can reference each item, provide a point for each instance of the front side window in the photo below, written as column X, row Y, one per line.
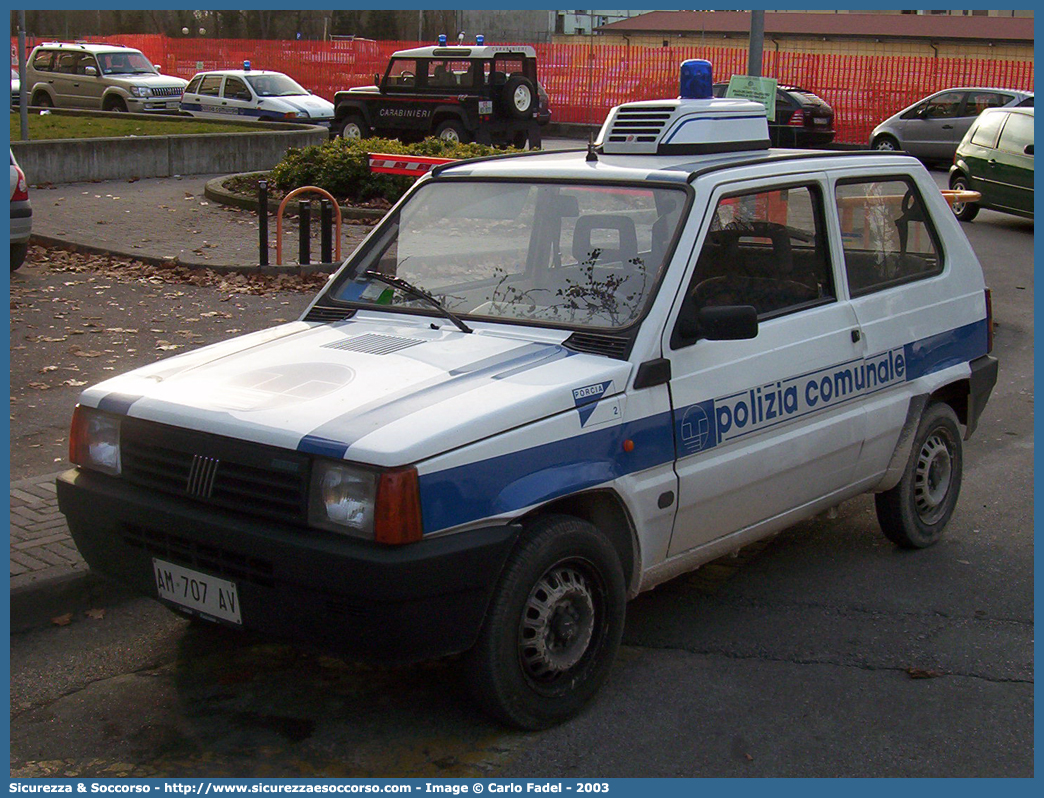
column 402, row 73
column 945, row 106
column 235, row 89
column 765, row 249
column 550, row 253
column 125, row 63
column 886, row 235
column 986, row 129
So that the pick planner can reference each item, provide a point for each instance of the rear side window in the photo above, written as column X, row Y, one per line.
column 886, row 235
column 211, row 86
column 44, row 60
column 1017, row 133
column 979, row 101
column 986, row 130
column 765, row 249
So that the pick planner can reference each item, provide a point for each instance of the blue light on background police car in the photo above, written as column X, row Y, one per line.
column 696, row 80
column 480, row 40
column 246, row 66
column 442, row 40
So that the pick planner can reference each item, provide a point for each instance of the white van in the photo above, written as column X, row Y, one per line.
column 546, row 383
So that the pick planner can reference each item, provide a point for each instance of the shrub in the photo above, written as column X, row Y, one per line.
column 341, row 166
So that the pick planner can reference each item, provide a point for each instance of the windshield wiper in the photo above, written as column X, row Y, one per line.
column 402, row 285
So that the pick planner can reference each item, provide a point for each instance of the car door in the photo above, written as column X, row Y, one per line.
column 772, row 424
column 237, row 99
column 206, row 100
column 1009, row 168
column 929, row 131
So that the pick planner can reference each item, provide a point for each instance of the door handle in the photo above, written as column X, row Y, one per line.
column 856, row 336
column 947, row 127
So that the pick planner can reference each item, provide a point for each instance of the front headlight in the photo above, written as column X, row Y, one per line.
column 342, row 498
column 382, row 506
column 94, row 440
column 141, row 91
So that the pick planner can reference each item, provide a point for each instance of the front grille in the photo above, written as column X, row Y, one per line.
column 210, row 559
column 168, row 91
column 222, row 472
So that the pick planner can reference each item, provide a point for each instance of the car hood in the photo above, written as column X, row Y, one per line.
column 153, row 81
column 366, row 390
column 310, row 104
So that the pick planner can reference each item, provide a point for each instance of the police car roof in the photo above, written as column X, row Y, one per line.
column 240, row 72
column 574, row 164
column 465, row 51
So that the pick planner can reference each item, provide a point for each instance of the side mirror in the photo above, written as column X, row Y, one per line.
column 728, row 323
column 376, row 79
column 1029, row 149
column 90, row 72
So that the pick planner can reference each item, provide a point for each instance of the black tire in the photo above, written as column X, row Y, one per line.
column 520, row 140
column 352, row 126
column 452, row 130
column 553, row 626
column 18, row 253
column 519, row 97
column 915, row 512
column 42, row 100
column 116, row 105
column 887, row 144
column 965, row 211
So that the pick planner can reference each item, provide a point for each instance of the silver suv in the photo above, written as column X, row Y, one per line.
column 108, row 77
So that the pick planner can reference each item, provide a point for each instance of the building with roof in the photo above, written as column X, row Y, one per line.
column 990, row 35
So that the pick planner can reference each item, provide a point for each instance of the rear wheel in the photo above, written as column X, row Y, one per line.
column 18, row 253
column 42, row 100
column 452, row 130
column 915, row 512
column 965, row 211
column 553, row 626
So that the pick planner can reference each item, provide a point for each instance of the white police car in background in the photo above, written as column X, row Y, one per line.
column 546, row 383
column 253, row 94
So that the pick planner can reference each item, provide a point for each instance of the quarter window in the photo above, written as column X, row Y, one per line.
column 886, row 237
column 767, row 250
column 193, row 85
column 43, row 60
column 986, row 129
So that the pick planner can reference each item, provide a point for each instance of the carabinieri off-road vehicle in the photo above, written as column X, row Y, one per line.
column 544, row 384
column 483, row 93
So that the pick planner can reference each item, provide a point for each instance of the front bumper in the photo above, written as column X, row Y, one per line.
column 21, row 222
column 387, row 603
column 153, row 105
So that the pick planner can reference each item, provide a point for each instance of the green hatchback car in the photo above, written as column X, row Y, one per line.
column 995, row 158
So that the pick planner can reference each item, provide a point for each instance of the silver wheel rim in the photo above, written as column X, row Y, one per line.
column 958, row 206
column 351, row 131
column 933, row 477
column 450, row 134
column 886, row 144
column 557, row 623
column 523, row 98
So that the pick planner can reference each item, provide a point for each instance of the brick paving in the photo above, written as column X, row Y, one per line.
column 41, row 548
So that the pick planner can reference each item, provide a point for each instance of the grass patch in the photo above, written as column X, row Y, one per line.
column 59, row 126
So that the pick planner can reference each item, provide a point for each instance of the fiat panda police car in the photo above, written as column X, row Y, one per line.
column 253, row 95
column 546, row 383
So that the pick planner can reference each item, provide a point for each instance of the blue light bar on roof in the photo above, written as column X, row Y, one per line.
column 697, row 78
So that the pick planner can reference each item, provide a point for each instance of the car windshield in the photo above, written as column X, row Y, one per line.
column 123, row 63
column 577, row 255
column 274, row 86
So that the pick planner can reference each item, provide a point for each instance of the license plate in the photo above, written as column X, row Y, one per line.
column 485, row 106
column 201, row 593
column 174, row 104
column 819, row 121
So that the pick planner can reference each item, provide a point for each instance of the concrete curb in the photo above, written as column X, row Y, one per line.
column 60, row 592
column 216, row 191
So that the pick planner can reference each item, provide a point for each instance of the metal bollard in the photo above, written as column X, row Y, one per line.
column 304, row 215
column 325, row 231
column 262, row 222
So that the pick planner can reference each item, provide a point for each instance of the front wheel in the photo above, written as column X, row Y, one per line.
column 553, row 627
column 965, row 211
column 886, row 144
column 116, row 105
column 18, row 253
column 915, row 512
column 352, row 127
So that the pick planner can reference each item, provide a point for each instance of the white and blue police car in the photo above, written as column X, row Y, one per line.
column 253, row 95
column 548, row 382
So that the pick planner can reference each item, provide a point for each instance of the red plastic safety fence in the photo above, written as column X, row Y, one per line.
column 585, row 80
